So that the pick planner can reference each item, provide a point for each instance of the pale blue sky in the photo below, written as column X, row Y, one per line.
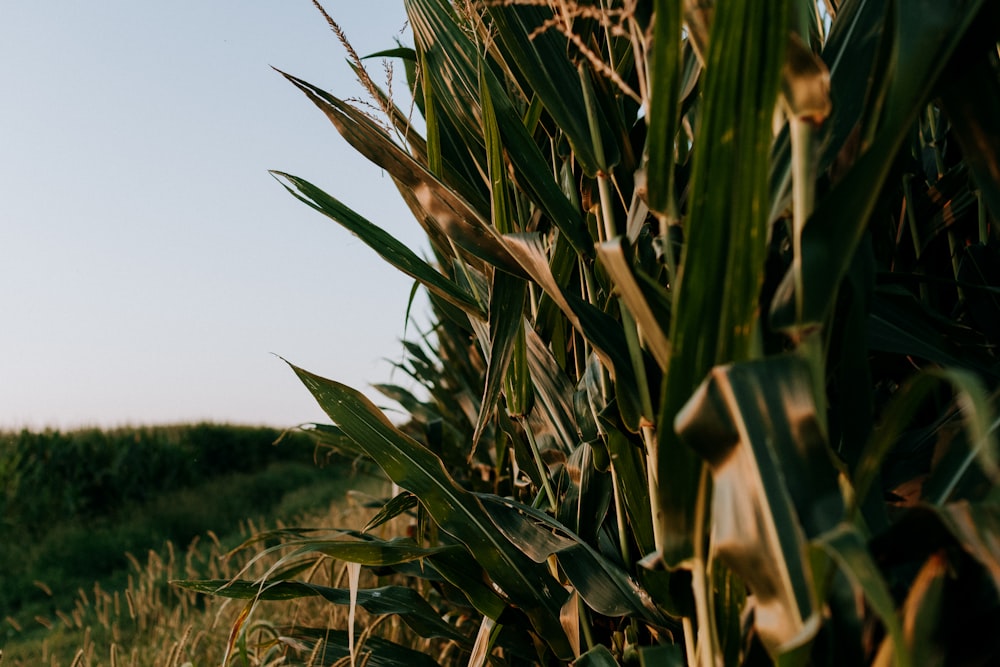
column 150, row 267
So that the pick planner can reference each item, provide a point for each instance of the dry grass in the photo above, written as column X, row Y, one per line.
column 153, row 623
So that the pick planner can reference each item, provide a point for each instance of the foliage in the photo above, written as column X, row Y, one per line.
column 147, row 622
column 76, row 475
column 716, row 328
column 76, row 501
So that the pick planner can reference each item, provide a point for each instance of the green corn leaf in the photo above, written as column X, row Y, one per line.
column 371, row 552
column 451, row 213
column 553, row 392
column 506, row 329
column 587, row 495
column 773, row 486
column 517, row 384
column 664, row 103
column 468, row 579
column 400, row 504
column 714, row 316
column 501, row 207
column 599, row 656
column 457, row 512
column 381, row 242
column 629, row 465
column 926, row 529
column 603, row 585
column 453, row 63
column 600, row 329
column 612, row 255
column 508, row 363
column 331, row 645
column 449, row 61
column 415, row 407
column 975, row 527
column 397, row 600
column 847, row 548
column 669, row 655
column 607, row 337
column 949, row 472
column 971, row 99
column 925, row 36
column 850, row 53
column 901, row 325
column 539, row 56
column 923, row 610
column 331, row 437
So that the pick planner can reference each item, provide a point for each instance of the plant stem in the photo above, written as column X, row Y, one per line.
column 708, row 643
column 542, row 471
column 803, row 199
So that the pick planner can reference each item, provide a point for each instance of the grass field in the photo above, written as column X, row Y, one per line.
column 92, row 588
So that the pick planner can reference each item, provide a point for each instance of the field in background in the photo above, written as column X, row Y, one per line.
column 76, row 503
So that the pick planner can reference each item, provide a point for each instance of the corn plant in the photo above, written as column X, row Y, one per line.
column 716, row 302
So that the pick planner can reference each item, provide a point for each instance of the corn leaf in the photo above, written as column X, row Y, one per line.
column 669, row 655
column 756, row 427
column 716, row 291
column 927, row 33
column 899, row 414
column 553, row 392
column 599, row 656
column 507, row 300
column 629, row 464
column 975, row 527
column 458, row 513
column 850, row 54
column 847, row 548
column 971, row 99
column 453, row 64
column 603, row 585
column 371, row 552
column 922, row 611
column 397, row 600
column 381, row 242
column 538, row 55
column 664, row 103
column 449, row 211
column 398, row 505
column 330, row 645
column 612, row 255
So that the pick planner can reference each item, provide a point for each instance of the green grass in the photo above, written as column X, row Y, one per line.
column 49, row 564
column 142, row 619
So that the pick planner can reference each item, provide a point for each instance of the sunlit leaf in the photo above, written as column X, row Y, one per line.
column 539, row 56
column 604, row 586
column 756, row 426
column 447, row 210
column 398, row 505
column 393, row 251
column 612, row 254
column 459, row 513
column 453, row 63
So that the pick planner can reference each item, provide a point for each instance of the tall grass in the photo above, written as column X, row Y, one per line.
column 148, row 622
column 75, row 502
column 75, row 475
